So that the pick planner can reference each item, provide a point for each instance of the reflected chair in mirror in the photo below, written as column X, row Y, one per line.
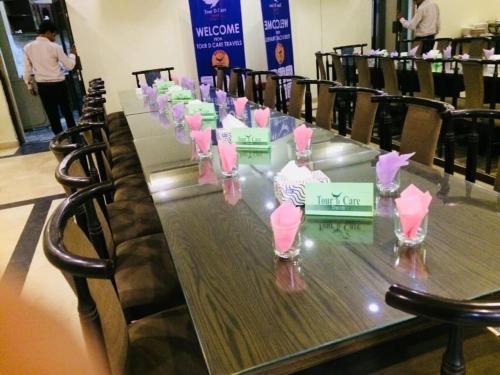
column 151, row 74
column 474, row 119
column 264, row 88
column 391, row 84
column 365, row 111
column 457, row 314
column 364, row 75
column 421, row 127
column 236, row 81
column 347, row 53
column 324, row 111
column 161, row 343
column 291, row 94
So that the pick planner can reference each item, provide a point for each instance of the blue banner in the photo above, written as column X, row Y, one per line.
column 217, row 35
column 278, row 36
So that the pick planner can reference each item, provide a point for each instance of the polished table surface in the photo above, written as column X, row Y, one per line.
column 254, row 313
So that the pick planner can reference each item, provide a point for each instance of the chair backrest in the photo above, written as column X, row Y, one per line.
column 339, row 69
column 455, row 313
column 270, row 92
column 320, row 66
column 419, row 44
column 324, row 111
column 232, row 88
column 442, row 43
column 420, row 133
column 365, row 111
column 497, row 179
column 151, row 74
column 391, row 85
column 249, row 88
column 69, row 249
column 220, row 77
column 475, row 47
column 262, row 92
column 425, row 79
column 364, row 76
column 296, row 99
column 474, row 84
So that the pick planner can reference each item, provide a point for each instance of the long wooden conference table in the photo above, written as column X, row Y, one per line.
column 254, row 313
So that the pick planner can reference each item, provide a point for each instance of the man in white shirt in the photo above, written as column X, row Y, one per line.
column 46, row 61
column 425, row 23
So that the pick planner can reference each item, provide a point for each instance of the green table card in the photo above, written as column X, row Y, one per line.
column 340, row 199
column 255, row 157
column 251, row 138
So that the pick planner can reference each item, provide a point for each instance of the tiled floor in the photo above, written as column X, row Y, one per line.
column 28, row 194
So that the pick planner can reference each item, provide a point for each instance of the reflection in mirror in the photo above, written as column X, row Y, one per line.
column 411, row 261
column 289, row 275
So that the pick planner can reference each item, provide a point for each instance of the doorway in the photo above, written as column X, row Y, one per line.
column 387, row 32
column 19, row 23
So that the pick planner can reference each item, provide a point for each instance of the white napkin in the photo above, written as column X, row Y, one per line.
column 231, row 122
column 291, row 172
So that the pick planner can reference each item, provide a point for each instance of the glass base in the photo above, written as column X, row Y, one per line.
column 388, row 190
column 208, row 155
column 417, row 240
column 292, row 253
column 304, row 154
column 233, row 173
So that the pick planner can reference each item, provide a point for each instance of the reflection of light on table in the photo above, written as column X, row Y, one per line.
column 309, row 244
column 374, row 308
column 270, row 205
column 243, row 179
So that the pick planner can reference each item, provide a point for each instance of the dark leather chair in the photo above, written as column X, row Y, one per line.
column 151, row 74
column 163, row 343
column 456, row 314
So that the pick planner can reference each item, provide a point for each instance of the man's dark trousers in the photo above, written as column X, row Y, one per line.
column 54, row 95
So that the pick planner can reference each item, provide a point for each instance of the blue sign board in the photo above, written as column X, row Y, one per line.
column 278, row 36
column 217, row 35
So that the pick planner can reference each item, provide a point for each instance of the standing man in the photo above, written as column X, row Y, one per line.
column 46, row 60
column 425, row 24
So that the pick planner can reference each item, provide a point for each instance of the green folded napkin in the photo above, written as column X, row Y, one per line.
column 181, row 96
column 163, row 86
column 197, row 106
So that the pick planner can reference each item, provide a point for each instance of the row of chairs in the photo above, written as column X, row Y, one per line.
column 107, row 239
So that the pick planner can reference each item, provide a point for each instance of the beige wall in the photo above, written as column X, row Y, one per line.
column 456, row 14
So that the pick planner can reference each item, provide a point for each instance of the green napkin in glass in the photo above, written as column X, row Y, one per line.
column 163, row 86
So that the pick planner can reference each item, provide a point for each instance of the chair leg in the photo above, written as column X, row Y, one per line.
column 453, row 358
column 489, row 146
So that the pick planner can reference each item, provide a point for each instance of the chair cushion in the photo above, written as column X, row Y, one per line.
column 125, row 166
column 145, row 275
column 119, row 136
column 131, row 188
column 116, row 115
column 165, row 343
column 121, row 149
column 132, row 219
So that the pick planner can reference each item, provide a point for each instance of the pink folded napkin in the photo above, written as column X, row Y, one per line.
column 412, row 206
column 488, row 53
column 187, row 83
column 413, row 52
column 426, row 56
column 388, row 166
column 285, row 222
column 151, row 92
column 302, row 135
column 447, row 52
column 221, row 97
column 194, row 121
column 203, row 139
column 162, row 101
column 178, row 111
column 394, row 54
column 239, row 106
column 262, row 117
column 144, row 88
column 232, row 191
column 206, row 173
column 465, row 56
column 288, row 277
column 228, row 156
column 205, row 91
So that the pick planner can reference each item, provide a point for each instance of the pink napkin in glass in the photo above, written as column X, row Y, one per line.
column 175, row 78
column 465, row 56
column 221, row 97
column 394, row 54
column 178, row 111
column 203, row 139
column 389, row 164
column 194, row 121
column 144, row 88
column 188, row 83
column 205, row 91
column 412, row 206
column 232, row 191
column 413, row 52
column 262, row 117
column 239, row 105
column 182, row 135
column 228, row 156
column 447, row 52
column 206, row 173
column 426, row 56
column 151, row 92
column 488, row 53
column 302, row 135
column 162, row 101
column 285, row 222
